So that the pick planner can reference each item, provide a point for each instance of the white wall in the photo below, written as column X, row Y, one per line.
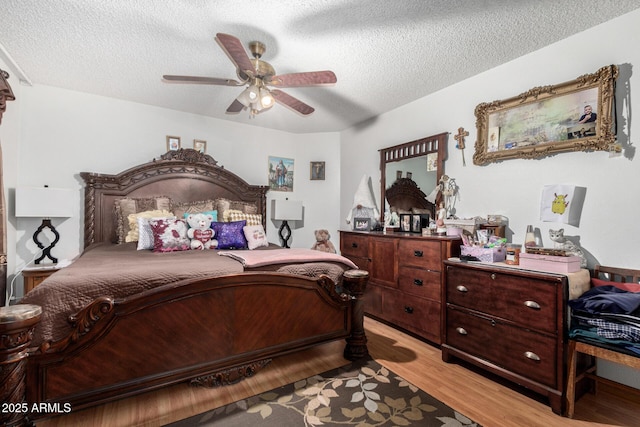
column 61, row 133
column 609, row 229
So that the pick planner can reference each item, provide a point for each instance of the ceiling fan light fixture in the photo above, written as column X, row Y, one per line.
column 266, row 99
column 253, row 92
column 244, row 98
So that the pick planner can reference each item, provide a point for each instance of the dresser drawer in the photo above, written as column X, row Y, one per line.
column 420, row 253
column 418, row 315
column 362, row 263
column 354, row 245
column 521, row 351
column 419, row 282
column 529, row 302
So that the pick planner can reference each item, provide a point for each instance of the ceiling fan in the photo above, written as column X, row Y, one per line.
column 259, row 77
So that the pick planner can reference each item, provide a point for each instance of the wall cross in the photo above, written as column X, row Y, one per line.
column 460, row 145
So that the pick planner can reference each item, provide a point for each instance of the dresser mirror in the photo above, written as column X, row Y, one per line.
column 410, row 172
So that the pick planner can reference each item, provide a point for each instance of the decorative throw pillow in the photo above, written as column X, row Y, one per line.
column 255, row 236
column 169, row 235
column 145, row 233
column 252, row 219
column 232, row 213
column 223, row 205
column 181, row 208
column 130, row 205
column 230, row 234
column 132, row 235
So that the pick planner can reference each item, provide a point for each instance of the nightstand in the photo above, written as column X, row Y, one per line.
column 33, row 276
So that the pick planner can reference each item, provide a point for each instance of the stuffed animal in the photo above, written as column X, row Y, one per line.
column 322, row 242
column 200, row 232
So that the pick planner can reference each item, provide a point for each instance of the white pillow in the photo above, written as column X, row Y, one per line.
column 145, row 233
column 255, row 236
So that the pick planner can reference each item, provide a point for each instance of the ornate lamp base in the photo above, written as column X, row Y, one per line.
column 285, row 234
column 46, row 252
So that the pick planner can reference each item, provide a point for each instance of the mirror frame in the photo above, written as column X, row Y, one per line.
column 419, row 147
column 506, row 110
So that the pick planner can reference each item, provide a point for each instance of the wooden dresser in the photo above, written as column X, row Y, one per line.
column 405, row 277
column 509, row 321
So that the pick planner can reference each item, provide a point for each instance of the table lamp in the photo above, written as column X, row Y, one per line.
column 45, row 203
column 286, row 210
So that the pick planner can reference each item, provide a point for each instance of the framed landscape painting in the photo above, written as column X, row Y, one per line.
column 573, row 116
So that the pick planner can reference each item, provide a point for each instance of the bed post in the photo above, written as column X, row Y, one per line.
column 355, row 282
column 17, row 323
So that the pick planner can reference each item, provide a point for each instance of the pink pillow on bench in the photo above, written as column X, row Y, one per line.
column 631, row 287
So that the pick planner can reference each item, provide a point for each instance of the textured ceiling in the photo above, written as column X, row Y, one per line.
column 385, row 53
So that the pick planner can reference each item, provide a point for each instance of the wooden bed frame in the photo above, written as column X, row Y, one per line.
column 211, row 331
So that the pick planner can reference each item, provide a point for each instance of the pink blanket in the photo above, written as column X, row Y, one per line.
column 252, row 259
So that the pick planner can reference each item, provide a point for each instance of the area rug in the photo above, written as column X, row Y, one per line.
column 361, row 394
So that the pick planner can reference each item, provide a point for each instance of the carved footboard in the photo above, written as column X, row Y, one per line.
column 221, row 329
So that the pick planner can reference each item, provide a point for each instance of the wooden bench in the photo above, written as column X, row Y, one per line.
column 613, row 274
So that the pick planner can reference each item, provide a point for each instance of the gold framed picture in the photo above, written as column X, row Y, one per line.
column 200, row 145
column 173, row 143
column 572, row 116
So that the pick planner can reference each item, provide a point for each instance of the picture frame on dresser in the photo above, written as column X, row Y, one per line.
column 418, row 222
column 405, row 223
column 362, row 224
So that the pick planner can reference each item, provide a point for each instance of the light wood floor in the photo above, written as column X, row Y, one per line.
column 471, row 393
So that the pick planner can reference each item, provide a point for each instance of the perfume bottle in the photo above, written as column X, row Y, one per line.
column 529, row 238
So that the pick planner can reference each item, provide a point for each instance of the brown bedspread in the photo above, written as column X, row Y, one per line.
column 118, row 271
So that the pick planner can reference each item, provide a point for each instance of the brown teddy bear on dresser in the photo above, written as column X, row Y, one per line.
column 322, row 242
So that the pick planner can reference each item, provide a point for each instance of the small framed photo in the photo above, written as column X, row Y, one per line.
column 317, row 171
column 200, row 146
column 405, row 222
column 173, row 143
column 418, row 222
column 362, row 224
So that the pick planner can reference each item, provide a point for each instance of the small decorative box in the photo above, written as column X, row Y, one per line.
column 484, row 254
column 550, row 263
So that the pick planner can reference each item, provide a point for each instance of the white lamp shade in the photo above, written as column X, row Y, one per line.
column 44, row 202
column 286, row 210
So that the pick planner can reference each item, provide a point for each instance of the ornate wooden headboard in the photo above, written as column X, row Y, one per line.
column 184, row 175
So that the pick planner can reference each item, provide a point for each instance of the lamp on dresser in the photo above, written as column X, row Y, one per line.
column 286, row 210
column 45, row 203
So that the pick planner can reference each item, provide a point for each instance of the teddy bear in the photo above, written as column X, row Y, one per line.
column 200, row 231
column 322, row 242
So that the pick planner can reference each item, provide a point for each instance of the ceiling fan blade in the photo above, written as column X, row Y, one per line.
column 312, row 78
column 201, row 80
column 291, row 102
column 235, row 107
column 235, row 51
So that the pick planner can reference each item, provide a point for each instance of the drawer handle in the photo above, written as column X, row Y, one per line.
column 408, row 309
column 461, row 331
column 532, row 304
column 493, row 276
column 531, row 355
column 417, row 282
column 354, row 245
column 417, row 253
column 462, row 288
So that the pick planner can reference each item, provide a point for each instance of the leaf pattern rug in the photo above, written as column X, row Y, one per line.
column 363, row 394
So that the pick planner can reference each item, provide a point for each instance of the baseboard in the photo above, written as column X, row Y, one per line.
column 619, row 390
